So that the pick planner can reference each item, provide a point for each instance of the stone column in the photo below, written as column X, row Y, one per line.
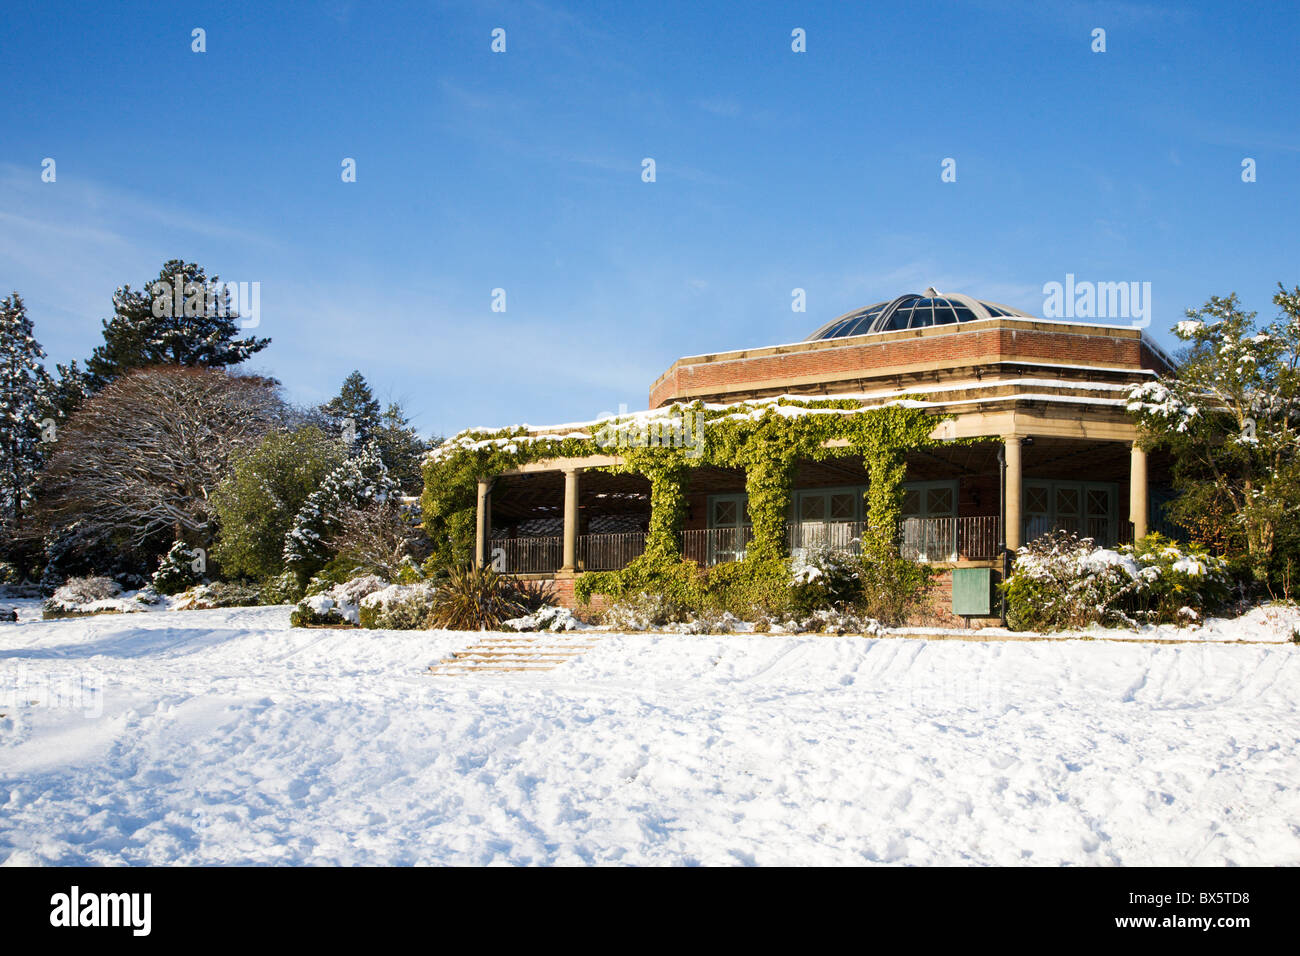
column 483, row 523
column 1012, row 530
column 570, row 520
column 1137, row 492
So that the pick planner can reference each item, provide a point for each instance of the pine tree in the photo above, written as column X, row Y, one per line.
column 354, row 405
column 67, row 393
column 174, row 320
column 353, row 484
column 25, row 388
column 401, row 448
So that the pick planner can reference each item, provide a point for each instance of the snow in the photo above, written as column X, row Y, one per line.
column 226, row 737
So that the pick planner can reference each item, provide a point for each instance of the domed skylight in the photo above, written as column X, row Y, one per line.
column 913, row 311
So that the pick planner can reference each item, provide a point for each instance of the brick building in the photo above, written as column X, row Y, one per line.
column 1041, row 404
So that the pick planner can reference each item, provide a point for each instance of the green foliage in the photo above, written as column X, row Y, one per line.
column 401, row 448
column 284, row 588
column 257, row 502
column 353, row 412
column 758, row 587
column 1230, row 415
column 135, row 337
column 177, row 571
column 1063, row 582
column 679, row 584
column 672, row 590
column 892, row 588
column 475, row 599
column 766, row 439
column 355, row 483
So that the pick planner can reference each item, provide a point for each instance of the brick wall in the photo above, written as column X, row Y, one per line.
column 892, row 353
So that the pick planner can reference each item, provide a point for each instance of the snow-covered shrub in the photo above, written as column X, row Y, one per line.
column 1064, row 582
column 86, row 590
column 341, row 604
column 218, row 594
column 836, row 621
column 641, row 612
column 549, row 618
column 398, row 607
column 1178, row 585
column 88, row 595
column 148, row 596
column 824, row 578
column 1061, row 581
column 282, row 589
column 8, row 615
column 176, row 571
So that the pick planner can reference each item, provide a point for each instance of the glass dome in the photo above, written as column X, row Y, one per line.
column 913, row 311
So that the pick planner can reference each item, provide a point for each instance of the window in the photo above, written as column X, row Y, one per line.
column 724, row 513
column 1086, row 508
column 812, row 507
column 844, row 506
column 926, row 535
column 826, row 517
column 729, row 529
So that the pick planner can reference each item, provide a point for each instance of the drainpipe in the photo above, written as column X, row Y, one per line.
column 1002, row 528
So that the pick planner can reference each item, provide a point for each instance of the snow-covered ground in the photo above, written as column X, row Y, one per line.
column 226, row 737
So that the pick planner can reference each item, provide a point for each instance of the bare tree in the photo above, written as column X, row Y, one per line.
column 138, row 461
column 380, row 537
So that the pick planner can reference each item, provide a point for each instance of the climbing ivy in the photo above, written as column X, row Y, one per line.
column 767, row 439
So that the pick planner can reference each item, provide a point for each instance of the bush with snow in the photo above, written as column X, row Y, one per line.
column 825, row 577
column 398, row 607
column 356, row 483
column 549, row 618
column 341, row 604
column 89, row 595
column 642, row 612
column 1064, row 582
column 218, row 594
column 87, row 589
column 177, row 569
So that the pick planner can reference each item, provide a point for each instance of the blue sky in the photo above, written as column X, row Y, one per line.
column 522, row 171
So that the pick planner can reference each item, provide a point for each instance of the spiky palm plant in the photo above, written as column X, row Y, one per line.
column 475, row 599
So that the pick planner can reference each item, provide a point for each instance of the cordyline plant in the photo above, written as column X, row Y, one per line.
column 1230, row 414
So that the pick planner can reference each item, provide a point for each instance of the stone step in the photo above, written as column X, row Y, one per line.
column 505, row 654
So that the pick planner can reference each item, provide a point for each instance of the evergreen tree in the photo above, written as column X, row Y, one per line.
column 256, row 504
column 177, row 319
column 401, row 448
column 68, row 392
column 25, row 388
column 354, row 412
column 360, row 480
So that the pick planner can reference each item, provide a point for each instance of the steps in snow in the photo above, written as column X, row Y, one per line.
column 527, row 652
